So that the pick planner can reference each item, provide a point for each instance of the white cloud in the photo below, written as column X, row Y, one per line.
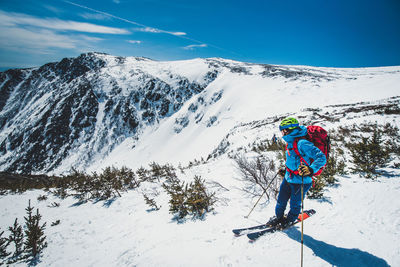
column 26, row 34
column 94, row 16
column 143, row 28
column 18, row 19
column 192, row 47
column 177, row 33
column 148, row 29
column 154, row 30
column 53, row 9
column 134, row 41
column 17, row 39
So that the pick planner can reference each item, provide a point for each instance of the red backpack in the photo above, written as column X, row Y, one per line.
column 320, row 138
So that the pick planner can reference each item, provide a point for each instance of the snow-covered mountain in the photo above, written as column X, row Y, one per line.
column 98, row 110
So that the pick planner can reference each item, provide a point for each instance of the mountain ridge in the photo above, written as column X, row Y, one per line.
column 76, row 112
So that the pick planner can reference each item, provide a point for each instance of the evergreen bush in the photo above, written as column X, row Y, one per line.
column 369, row 154
column 317, row 190
column 4, row 242
column 17, row 239
column 199, row 201
column 151, row 202
column 35, row 241
column 192, row 198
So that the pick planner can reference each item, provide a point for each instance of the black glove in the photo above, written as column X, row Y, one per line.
column 282, row 172
column 304, row 170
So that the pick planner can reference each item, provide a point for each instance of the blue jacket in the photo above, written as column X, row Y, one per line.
column 307, row 150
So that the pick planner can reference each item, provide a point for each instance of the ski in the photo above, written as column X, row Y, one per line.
column 240, row 231
column 254, row 236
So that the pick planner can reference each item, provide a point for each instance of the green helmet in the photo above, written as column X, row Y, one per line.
column 289, row 123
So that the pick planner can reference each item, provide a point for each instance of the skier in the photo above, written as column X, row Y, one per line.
column 295, row 169
column 274, row 139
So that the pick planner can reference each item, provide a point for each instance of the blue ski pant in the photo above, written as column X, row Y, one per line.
column 293, row 192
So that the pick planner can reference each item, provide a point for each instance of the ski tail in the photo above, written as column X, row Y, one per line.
column 240, row 231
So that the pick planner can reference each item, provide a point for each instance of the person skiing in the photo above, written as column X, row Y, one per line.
column 274, row 139
column 292, row 175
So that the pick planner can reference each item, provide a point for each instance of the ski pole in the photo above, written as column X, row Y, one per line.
column 255, row 205
column 261, row 196
column 302, row 217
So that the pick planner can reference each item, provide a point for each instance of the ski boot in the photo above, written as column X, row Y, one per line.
column 274, row 221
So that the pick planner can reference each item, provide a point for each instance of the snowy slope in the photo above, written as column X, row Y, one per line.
column 357, row 222
column 233, row 98
column 97, row 110
column 352, row 227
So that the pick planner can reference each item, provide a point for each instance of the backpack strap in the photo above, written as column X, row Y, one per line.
column 296, row 150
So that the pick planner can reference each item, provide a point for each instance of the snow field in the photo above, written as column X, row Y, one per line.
column 356, row 224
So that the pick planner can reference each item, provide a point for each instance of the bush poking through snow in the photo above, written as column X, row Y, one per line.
column 369, row 154
column 156, row 173
column 189, row 199
column 267, row 145
column 335, row 165
column 151, row 202
column 259, row 173
column 108, row 184
column 317, row 189
column 3, row 247
column 199, row 200
column 35, row 241
column 55, row 223
column 17, row 239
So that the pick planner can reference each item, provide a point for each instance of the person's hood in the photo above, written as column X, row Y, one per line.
column 298, row 132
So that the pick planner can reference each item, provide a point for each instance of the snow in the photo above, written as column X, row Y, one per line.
column 357, row 222
column 247, row 98
column 356, row 225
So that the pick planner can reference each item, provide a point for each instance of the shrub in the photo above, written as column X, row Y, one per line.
column 199, row 201
column 333, row 167
column 42, row 198
column 369, row 154
column 3, row 246
column 190, row 198
column 108, row 184
column 267, row 145
column 17, row 239
column 177, row 192
column 317, row 190
column 259, row 173
column 151, row 202
column 55, row 223
column 35, row 241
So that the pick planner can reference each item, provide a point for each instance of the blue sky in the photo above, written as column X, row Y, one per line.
column 308, row 32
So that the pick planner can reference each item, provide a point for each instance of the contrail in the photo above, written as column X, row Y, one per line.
column 177, row 34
